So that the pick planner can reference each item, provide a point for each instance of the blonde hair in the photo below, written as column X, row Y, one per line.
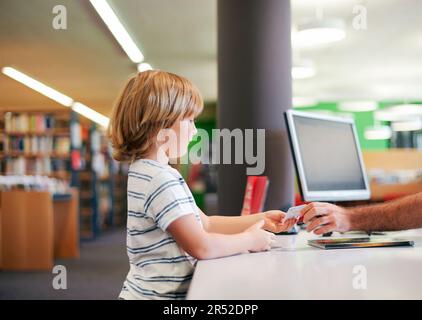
column 150, row 101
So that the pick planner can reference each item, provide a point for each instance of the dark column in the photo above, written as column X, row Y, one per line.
column 254, row 89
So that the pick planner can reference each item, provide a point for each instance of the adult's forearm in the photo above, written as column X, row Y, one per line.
column 401, row 214
column 232, row 224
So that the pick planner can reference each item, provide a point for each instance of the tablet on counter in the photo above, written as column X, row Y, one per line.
column 364, row 242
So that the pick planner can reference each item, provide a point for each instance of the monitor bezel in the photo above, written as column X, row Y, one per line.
column 329, row 195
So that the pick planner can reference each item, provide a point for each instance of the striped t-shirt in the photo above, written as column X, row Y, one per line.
column 159, row 268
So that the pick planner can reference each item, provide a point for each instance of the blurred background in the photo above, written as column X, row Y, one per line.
column 63, row 197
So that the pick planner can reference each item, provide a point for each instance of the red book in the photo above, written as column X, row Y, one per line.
column 255, row 194
column 76, row 159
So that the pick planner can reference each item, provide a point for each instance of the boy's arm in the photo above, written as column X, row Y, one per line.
column 236, row 224
column 205, row 245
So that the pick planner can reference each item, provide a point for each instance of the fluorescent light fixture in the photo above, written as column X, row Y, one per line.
column 144, row 67
column 358, row 106
column 377, row 132
column 303, row 69
column 90, row 114
column 56, row 96
column 413, row 125
column 321, row 111
column 401, row 112
column 332, row 113
column 37, row 86
column 303, row 72
column 303, row 102
column 317, row 32
column 117, row 29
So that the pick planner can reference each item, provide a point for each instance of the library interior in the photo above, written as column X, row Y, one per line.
column 63, row 197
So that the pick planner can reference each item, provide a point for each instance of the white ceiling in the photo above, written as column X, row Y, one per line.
column 85, row 62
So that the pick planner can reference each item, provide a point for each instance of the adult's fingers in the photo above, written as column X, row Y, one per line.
column 317, row 222
column 327, row 228
column 314, row 212
column 311, row 206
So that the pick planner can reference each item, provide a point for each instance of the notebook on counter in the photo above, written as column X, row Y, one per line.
column 363, row 242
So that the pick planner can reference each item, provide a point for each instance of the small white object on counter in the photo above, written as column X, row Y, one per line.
column 293, row 212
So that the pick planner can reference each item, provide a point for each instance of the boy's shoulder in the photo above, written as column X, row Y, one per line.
column 154, row 171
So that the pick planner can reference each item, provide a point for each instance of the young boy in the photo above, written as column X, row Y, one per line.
column 153, row 121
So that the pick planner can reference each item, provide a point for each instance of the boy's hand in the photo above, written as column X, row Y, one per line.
column 273, row 221
column 259, row 238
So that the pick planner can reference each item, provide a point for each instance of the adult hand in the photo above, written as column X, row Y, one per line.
column 322, row 217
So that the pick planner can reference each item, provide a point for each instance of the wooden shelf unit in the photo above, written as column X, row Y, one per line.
column 392, row 160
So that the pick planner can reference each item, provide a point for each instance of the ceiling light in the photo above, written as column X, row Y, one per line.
column 90, row 114
column 144, row 67
column 413, row 125
column 56, row 96
column 322, row 111
column 358, row 106
column 317, row 32
column 303, row 72
column 401, row 112
column 377, row 132
column 117, row 29
column 38, row 86
column 302, row 102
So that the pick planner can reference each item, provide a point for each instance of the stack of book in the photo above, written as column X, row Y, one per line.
column 28, row 144
column 24, row 166
column 24, row 122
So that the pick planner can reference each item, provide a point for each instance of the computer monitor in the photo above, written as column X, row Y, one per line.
column 327, row 157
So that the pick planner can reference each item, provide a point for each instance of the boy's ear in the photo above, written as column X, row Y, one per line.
column 162, row 136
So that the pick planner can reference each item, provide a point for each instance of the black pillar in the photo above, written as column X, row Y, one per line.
column 254, row 88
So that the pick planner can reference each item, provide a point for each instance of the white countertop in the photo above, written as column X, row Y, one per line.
column 297, row 271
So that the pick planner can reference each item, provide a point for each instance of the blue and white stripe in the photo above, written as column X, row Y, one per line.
column 137, row 232
column 141, row 176
column 164, row 278
column 165, row 186
column 137, row 195
column 171, row 260
column 172, row 205
column 150, row 247
column 153, row 293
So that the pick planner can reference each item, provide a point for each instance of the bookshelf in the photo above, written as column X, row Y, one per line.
column 120, row 194
column 60, row 144
column 102, row 182
column 35, row 143
column 393, row 173
column 88, row 192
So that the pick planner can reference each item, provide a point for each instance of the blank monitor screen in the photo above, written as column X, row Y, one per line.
column 328, row 157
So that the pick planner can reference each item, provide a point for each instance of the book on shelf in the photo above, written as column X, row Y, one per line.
column 35, row 143
column 255, row 194
column 24, row 166
column 25, row 122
